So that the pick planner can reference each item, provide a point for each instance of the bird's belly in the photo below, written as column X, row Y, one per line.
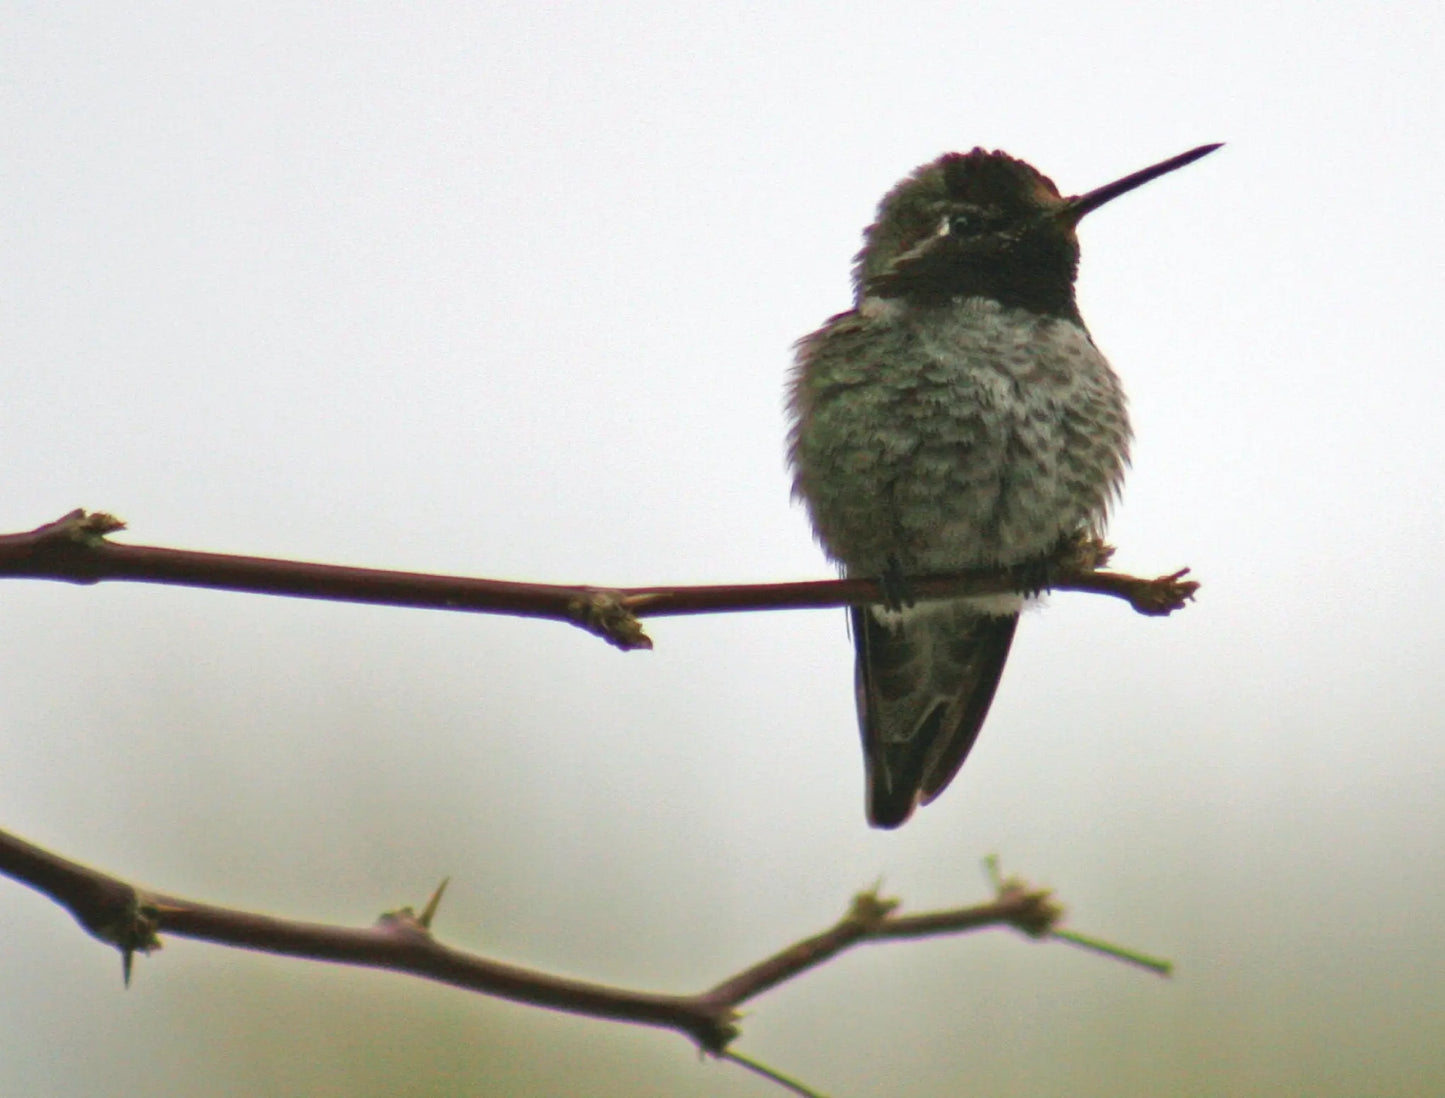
column 985, row 447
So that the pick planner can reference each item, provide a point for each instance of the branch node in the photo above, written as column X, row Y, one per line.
column 1162, row 596
column 1033, row 911
column 131, row 929
column 723, row 1029
column 869, row 910
column 608, row 614
column 1036, row 913
column 87, row 528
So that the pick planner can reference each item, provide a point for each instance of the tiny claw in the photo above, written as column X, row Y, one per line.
column 894, row 586
column 1036, row 577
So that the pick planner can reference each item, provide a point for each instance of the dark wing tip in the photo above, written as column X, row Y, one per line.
column 991, row 643
column 904, row 772
column 887, row 810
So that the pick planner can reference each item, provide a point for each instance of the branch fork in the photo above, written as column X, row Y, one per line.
column 131, row 920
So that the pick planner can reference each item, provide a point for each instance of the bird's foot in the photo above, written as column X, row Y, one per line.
column 1034, row 577
column 897, row 592
column 1083, row 551
column 1076, row 553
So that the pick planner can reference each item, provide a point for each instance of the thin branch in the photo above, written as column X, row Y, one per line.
column 1157, row 965
column 131, row 919
column 772, row 1075
column 76, row 549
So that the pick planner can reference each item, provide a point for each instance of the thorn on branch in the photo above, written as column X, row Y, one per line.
column 428, row 913
column 406, row 920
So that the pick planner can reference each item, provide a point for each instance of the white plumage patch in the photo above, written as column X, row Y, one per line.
column 997, row 606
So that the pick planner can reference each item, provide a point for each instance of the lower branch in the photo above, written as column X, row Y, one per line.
column 76, row 549
column 130, row 919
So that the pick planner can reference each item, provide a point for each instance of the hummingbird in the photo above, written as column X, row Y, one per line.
column 957, row 416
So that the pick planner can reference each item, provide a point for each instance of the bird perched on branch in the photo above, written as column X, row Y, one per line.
column 958, row 416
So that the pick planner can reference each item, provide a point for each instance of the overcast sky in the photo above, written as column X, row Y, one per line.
column 512, row 294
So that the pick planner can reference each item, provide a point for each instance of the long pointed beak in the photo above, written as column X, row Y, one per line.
column 1075, row 208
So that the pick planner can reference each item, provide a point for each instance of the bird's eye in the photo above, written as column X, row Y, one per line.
column 958, row 223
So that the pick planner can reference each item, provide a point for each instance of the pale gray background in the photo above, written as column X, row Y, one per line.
column 511, row 293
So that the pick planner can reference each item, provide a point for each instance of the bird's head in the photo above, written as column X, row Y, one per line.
column 984, row 224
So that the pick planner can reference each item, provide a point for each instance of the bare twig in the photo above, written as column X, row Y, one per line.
column 131, row 919
column 1157, row 965
column 772, row 1075
column 75, row 549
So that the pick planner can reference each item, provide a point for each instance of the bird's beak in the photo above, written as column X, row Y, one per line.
column 1074, row 209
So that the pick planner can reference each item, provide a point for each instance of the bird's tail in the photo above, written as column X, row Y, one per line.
column 925, row 679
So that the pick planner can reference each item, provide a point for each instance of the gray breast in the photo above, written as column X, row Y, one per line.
column 952, row 437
